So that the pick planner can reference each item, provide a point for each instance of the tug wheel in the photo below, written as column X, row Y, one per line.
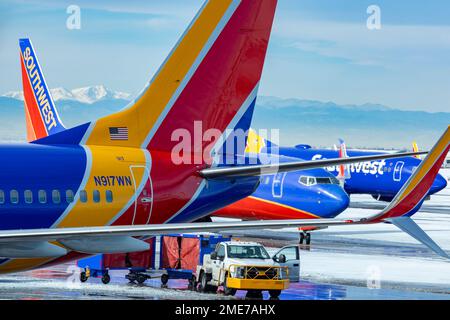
column 83, row 277
column 274, row 294
column 106, row 278
column 226, row 290
column 141, row 278
column 203, row 283
column 164, row 279
column 191, row 284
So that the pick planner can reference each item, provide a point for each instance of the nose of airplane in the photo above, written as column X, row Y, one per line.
column 334, row 200
column 439, row 183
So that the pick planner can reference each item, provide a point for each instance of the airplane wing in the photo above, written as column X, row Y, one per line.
column 157, row 229
column 257, row 170
column 408, row 199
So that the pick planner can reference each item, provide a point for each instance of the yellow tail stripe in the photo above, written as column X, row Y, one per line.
column 142, row 116
column 429, row 161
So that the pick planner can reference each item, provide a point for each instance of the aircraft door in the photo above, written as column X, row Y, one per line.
column 143, row 194
column 292, row 254
column 217, row 270
column 398, row 171
column 277, row 185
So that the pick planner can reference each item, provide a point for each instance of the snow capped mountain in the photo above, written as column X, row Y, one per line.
column 87, row 95
column 97, row 93
column 14, row 94
column 61, row 94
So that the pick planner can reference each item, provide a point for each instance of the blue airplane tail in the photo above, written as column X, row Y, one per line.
column 42, row 118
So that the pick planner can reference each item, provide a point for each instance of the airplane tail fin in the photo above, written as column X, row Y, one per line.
column 256, row 143
column 209, row 81
column 410, row 198
column 415, row 148
column 41, row 116
column 344, row 170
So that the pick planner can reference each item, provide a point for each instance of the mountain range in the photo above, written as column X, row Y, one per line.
column 88, row 95
column 300, row 121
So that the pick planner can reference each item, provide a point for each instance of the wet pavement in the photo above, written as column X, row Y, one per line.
column 61, row 282
column 333, row 268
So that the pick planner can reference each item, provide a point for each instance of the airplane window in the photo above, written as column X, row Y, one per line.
column 69, row 196
column 56, row 196
column 28, row 195
column 334, row 180
column 312, row 181
column 2, row 197
column 327, row 180
column 83, row 196
column 96, row 196
column 14, row 196
column 323, row 180
column 109, row 196
column 303, row 180
column 42, row 195
column 308, row 181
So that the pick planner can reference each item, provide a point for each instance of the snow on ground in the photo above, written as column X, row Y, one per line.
column 61, row 282
column 383, row 249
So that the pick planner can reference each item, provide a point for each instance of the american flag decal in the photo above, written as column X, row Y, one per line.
column 118, row 133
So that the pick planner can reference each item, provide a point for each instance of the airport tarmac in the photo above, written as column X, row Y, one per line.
column 358, row 262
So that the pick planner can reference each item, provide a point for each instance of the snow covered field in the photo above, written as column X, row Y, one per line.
column 362, row 254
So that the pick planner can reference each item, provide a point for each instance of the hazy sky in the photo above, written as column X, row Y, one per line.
column 320, row 49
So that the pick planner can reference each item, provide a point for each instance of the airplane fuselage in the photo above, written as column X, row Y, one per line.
column 45, row 186
column 382, row 179
column 305, row 194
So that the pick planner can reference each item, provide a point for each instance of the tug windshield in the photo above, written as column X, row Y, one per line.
column 247, row 252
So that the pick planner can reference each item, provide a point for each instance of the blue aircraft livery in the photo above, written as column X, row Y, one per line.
column 382, row 178
column 60, row 196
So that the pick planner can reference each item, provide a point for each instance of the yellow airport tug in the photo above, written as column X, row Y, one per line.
column 247, row 266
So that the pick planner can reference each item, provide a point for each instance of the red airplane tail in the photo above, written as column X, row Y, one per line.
column 207, row 85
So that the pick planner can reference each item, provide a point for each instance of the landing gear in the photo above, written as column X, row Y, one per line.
column 305, row 237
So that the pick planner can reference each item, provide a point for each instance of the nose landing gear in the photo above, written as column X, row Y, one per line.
column 305, row 238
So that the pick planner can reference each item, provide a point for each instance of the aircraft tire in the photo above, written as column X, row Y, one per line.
column 308, row 238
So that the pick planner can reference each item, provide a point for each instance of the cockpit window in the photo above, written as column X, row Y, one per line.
column 311, row 181
column 307, row 181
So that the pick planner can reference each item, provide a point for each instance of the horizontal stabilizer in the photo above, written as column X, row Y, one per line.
column 406, row 224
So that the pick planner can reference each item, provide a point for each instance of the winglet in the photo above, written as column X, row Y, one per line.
column 415, row 148
column 406, row 224
column 344, row 172
column 411, row 196
column 41, row 115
